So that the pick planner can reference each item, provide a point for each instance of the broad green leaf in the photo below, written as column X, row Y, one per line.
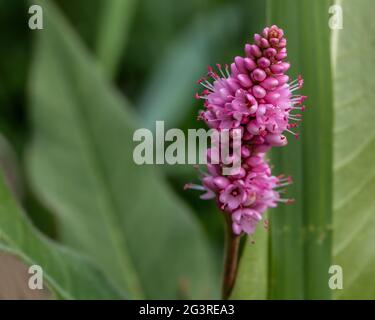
column 115, row 22
column 69, row 276
column 354, row 150
column 80, row 162
column 252, row 277
column 301, row 233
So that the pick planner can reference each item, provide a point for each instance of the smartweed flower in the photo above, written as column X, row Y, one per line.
column 254, row 95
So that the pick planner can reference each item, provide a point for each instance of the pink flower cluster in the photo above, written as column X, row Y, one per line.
column 255, row 96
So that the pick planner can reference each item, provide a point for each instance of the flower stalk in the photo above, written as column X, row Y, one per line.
column 254, row 100
column 231, row 248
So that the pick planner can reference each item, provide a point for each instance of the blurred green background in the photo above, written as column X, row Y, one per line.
column 71, row 96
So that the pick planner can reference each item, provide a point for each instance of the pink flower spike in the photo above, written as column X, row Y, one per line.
column 254, row 95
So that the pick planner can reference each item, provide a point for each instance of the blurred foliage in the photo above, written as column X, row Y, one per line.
column 69, row 276
column 354, row 145
column 77, row 167
column 14, row 62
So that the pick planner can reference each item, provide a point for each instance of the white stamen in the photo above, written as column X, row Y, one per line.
column 227, row 71
column 195, row 187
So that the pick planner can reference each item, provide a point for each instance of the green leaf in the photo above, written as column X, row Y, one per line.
column 113, row 31
column 300, row 247
column 252, row 278
column 122, row 215
column 68, row 275
column 354, row 156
